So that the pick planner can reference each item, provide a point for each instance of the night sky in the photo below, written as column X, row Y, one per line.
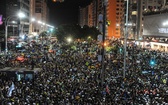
column 65, row 12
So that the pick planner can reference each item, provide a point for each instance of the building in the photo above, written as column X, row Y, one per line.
column 58, row 0
column 114, row 16
column 136, row 10
column 10, row 10
column 89, row 15
column 83, row 16
column 38, row 12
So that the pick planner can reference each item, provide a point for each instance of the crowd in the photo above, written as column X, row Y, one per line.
column 73, row 77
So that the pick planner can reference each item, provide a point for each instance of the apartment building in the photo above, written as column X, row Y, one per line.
column 83, row 16
column 12, row 7
column 89, row 15
column 38, row 11
column 136, row 10
column 116, row 16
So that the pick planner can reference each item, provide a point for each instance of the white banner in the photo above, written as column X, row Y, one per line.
column 156, row 25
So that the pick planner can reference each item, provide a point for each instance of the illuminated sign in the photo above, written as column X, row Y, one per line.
column 156, row 25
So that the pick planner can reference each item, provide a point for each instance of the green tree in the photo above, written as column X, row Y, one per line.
column 75, row 31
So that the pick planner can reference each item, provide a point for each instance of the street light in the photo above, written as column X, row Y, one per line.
column 69, row 40
column 125, row 39
column 20, row 15
column 33, row 19
column 102, row 72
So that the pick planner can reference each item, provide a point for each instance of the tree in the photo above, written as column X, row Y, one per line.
column 75, row 31
column 89, row 31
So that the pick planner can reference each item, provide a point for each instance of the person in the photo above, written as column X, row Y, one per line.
column 32, row 64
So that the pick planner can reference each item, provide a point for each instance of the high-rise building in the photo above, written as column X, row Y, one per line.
column 136, row 10
column 89, row 15
column 39, row 11
column 95, row 13
column 115, row 17
column 11, row 9
column 83, row 16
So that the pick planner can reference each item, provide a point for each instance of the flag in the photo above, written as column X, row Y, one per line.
column 107, row 89
column 12, row 87
column 1, row 22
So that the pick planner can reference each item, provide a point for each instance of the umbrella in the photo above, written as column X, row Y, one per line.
column 20, row 58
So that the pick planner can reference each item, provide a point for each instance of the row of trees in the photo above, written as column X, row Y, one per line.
column 75, row 31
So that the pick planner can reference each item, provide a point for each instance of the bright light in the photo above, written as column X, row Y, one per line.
column 152, row 62
column 165, row 23
column 23, row 37
column 33, row 19
column 69, row 39
column 117, row 25
column 51, row 29
column 21, row 15
column 89, row 37
column 52, row 26
column 137, row 43
column 105, row 44
column 13, row 21
column 43, row 23
column 140, row 38
column 40, row 22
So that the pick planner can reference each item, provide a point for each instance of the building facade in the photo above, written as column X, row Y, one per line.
column 116, row 16
column 89, row 14
column 16, row 26
column 38, row 11
column 136, row 10
column 83, row 16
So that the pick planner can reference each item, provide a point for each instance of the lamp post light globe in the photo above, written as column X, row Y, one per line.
column 69, row 40
column 21, row 15
column 33, row 19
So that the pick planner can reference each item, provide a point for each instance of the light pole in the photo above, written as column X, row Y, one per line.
column 125, row 39
column 103, row 49
column 20, row 15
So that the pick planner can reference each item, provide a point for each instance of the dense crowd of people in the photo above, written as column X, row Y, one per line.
column 73, row 77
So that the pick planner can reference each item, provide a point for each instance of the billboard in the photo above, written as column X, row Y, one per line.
column 156, row 25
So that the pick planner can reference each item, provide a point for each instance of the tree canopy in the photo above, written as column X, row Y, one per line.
column 75, row 31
